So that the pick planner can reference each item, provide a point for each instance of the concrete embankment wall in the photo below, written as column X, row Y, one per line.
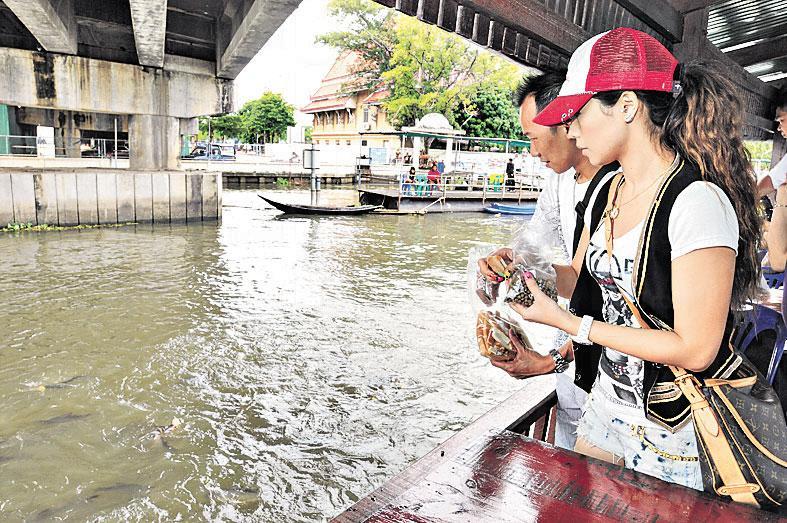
column 106, row 196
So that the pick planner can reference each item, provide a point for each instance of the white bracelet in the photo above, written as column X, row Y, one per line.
column 584, row 331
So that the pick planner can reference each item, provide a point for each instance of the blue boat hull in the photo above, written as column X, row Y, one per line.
column 522, row 210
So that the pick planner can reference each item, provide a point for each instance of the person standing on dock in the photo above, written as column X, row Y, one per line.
column 572, row 185
column 510, row 182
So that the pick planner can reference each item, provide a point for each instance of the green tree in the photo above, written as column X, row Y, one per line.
column 435, row 71
column 370, row 33
column 489, row 112
column 266, row 119
column 227, row 126
column 425, row 69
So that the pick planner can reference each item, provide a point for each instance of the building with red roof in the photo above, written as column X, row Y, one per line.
column 344, row 108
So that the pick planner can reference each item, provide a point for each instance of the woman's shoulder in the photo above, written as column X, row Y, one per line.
column 703, row 194
column 702, row 216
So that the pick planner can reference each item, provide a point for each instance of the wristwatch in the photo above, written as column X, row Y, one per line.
column 584, row 331
column 560, row 363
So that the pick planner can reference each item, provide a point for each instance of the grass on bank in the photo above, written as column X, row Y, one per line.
column 19, row 227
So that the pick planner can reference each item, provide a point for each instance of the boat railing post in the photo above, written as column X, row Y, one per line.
column 483, row 191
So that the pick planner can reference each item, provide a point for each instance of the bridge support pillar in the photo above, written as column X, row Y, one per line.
column 70, row 137
column 154, row 142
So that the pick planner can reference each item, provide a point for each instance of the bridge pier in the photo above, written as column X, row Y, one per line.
column 154, row 142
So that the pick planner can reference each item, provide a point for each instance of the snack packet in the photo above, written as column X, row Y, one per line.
column 494, row 332
column 534, row 248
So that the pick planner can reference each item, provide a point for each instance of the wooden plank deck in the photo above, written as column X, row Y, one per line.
column 487, row 473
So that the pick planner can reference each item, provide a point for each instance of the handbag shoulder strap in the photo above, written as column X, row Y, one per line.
column 582, row 205
column 705, row 421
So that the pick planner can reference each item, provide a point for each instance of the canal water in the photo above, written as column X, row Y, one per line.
column 308, row 360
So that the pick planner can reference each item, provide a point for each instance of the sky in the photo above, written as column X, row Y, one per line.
column 290, row 63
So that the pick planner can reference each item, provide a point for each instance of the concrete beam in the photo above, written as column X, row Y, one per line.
column 52, row 22
column 246, row 31
column 183, row 64
column 149, row 19
column 84, row 121
column 96, row 86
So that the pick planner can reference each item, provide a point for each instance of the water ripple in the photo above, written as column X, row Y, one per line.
column 308, row 359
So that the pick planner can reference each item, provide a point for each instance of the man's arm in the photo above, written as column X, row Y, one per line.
column 777, row 232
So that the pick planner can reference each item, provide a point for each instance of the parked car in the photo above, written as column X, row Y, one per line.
column 218, row 152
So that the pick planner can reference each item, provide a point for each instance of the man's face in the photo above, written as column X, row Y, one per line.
column 551, row 145
column 781, row 120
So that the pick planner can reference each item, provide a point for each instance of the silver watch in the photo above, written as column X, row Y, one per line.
column 560, row 363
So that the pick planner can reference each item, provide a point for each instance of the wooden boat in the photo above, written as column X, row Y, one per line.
column 316, row 209
column 500, row 208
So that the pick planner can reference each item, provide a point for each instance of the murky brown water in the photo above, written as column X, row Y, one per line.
column 309, row 359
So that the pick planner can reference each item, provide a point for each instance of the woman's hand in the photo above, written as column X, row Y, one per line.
column 544, row 310
column 506, row 253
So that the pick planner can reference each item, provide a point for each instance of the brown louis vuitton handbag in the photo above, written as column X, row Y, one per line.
column 739, row 423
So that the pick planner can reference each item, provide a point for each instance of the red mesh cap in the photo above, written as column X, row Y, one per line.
column 623, row 59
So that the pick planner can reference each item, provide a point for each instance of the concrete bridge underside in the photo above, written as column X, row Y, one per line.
column 154, row 65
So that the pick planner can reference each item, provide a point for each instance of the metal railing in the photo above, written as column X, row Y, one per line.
column 18, row 145
column 34, row 146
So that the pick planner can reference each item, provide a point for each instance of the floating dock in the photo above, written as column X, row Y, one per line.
column 442, row 201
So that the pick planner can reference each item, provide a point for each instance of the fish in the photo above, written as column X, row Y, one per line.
column 59, row 385
column 169, row 429
column 65, row 418
column 123, row 488
column 77, row 505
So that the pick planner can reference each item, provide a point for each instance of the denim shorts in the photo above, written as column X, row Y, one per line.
column 646, row 447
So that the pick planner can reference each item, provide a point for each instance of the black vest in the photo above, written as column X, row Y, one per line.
column 587, row 357
column 652, row 283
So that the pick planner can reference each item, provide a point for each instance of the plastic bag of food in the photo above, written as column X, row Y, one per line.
column 534, row 248
column 494, row 333
column 483, row 292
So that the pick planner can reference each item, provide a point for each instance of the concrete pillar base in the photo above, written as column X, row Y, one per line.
column 70, row 141
column 154, row 143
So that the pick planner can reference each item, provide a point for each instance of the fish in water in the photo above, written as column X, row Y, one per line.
column 100, row 498
column 158, row 435
column 59, row 385
column 130, row 489
column 164, row 430
column 65, row 418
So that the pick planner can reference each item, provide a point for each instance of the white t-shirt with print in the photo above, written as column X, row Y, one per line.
column 701, row 217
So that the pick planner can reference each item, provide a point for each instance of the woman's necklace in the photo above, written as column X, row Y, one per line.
column 613, row 213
